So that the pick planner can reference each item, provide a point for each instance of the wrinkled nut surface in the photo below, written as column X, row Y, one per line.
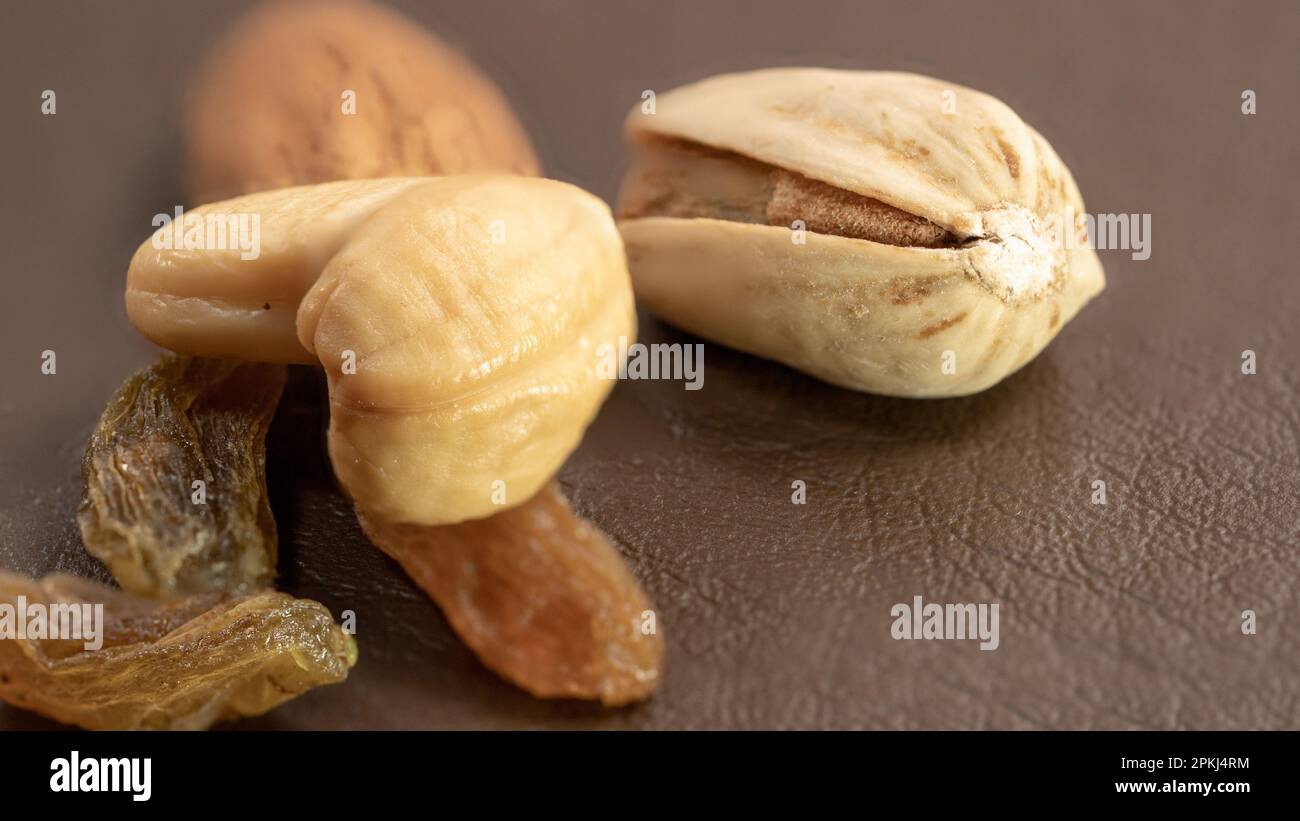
column 929, row 238
column 268, row 108
column 458, row 320
column 210, row 301
column 540, row 595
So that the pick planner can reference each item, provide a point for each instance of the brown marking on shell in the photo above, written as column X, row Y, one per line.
column 1056, row 317
column 1011, row 157
column 995, row 344
column 942, row 325
column 912, row 150
column 1048, row 185
column 836, row 127
column 856, row 309
column 907, row 292
column 791, row 111
column 910, row 289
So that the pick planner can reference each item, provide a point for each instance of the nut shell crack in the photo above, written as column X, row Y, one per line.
column 682, row 179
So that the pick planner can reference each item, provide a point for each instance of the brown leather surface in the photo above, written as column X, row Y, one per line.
column 1119, row 616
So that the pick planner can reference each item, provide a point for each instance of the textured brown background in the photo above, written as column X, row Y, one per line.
column 1124, row 616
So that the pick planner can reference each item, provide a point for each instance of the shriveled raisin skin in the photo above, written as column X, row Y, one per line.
column 179, row 665
column 179, row 421
column 540, row 595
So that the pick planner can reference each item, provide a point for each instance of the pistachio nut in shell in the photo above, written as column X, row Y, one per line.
column 305, row 92
column 886, row 232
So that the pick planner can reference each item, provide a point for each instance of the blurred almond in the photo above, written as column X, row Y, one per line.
column 300, row 93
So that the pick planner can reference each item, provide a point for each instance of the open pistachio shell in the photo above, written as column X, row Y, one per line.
column 878, row 316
